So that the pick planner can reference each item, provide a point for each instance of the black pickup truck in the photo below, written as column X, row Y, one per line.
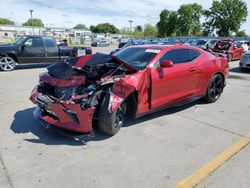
column 34, row 49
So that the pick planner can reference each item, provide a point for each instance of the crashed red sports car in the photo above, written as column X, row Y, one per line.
column 133, row 82
column 231, row 49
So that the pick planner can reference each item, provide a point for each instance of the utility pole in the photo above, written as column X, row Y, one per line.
column 31, row 11
column 130, row 24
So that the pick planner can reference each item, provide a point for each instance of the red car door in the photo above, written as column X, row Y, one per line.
column 175, row 83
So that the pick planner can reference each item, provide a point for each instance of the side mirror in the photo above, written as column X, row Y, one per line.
column 166, row 64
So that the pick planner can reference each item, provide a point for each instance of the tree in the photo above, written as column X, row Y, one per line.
column 171, row 23
column 241, row 34
column 125, row 31
column 138, row 32
column 4, row 21
column 35, row 22
column 226, row 16
column 188, row 20
column 139, row 28
column 80, row 26
column 162, row 24
column 150, row 30
column 167, row 24
column 104, row 28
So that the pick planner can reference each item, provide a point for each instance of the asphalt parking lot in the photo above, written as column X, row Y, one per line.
column 158, row 150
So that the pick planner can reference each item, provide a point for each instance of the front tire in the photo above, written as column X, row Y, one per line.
column 214, row 89
column 7, row 63
column 111, row 122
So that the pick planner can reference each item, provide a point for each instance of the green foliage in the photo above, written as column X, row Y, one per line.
column 162, row 24
column 4, row 21
column 188, row 20
column 150, row 30
column 35, row 22
column 171, row 24
column 139, row 28
column 167, row 24
column 80, row 26
column 104, row 28
column 125, row 31
column 226, row 16
column 241, row 34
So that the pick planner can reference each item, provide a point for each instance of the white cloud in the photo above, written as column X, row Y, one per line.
column 69, row 13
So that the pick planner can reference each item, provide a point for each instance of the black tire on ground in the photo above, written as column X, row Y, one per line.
column 111, row 122
column 7, row 63
column 215, row 88
column 229, row 57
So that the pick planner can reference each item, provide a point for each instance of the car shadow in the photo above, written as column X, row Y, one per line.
column 239, row 70
column 24, row 122
column 163, row 112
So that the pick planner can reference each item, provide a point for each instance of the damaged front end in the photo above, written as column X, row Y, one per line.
column 69, row 95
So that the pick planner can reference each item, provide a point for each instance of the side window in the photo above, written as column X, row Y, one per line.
column 194, row 54
column 177, row 56
column 49, row 43
column 34, row 42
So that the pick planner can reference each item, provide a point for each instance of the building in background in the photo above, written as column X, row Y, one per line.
column 8, row 33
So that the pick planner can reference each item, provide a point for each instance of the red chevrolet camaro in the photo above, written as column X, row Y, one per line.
column 133, row 82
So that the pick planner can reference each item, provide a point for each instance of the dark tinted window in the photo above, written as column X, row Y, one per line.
column 194, row 54
column 34, row 42
column 181, row 55
column 49, row 43
column 177, row 56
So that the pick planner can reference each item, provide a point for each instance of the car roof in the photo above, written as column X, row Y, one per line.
column 165, row 47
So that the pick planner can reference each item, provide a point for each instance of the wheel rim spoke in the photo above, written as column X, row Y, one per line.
column 7, row 63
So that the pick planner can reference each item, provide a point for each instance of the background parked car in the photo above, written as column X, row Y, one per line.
column 199, row 42
column 34, row 49
column 245, row 45
column 210, row 44
column 100, row 43
column 231, row 48
column 245, row 61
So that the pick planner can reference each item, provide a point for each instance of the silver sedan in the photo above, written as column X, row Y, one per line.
column 245, row 60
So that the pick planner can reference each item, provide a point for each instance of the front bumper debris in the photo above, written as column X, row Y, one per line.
column 81, row 137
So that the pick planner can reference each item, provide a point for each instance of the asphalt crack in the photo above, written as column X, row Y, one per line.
column 6, row 172
column 213, row 126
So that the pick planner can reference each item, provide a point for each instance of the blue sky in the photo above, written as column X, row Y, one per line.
column 65, row 13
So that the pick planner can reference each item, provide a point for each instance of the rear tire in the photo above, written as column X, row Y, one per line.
column 7, row 63
column 215, row 88
column 111, row 122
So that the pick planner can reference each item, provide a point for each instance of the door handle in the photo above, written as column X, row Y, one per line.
column 192, row 69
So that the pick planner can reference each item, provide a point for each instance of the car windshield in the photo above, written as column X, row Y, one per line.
column 20, row 40
column 137, row 57
column 189, row 41
column 200, row 42
column 223, row 45
column 212, row 42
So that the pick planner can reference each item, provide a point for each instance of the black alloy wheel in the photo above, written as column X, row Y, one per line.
column 215, row 88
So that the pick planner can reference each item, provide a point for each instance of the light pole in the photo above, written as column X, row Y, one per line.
column 31, row 11
column 130, row 24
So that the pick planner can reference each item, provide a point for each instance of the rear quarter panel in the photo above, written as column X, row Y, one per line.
column 210, row 66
